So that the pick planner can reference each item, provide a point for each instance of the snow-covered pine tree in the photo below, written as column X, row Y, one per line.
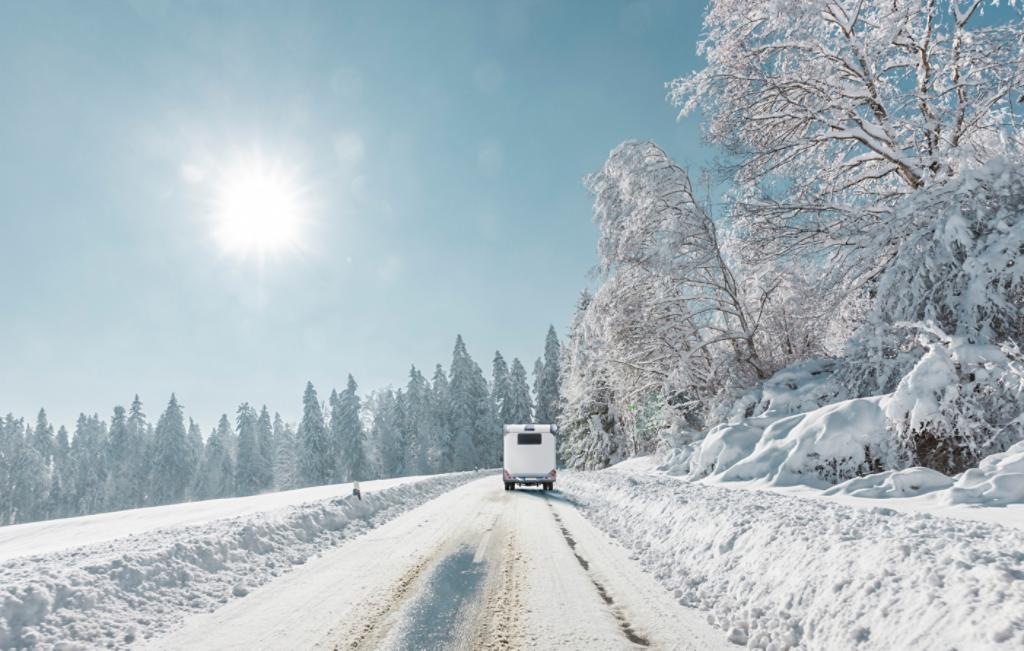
column 386, row 431
column 42, row 438
column 195, row 456
column 588, row 433
column 121, row 459
column 89, row 456
column 247, row 465
column 517, row 407
column 266, row 448
column 538, row 377
column 473, row 418
column 440, row 402
column 284, row 455
column 63, row 475
column 171, row 475
column 417, row 415
column 138, row 455
column 316, row 453
column 547, row 389
column 335, row 435
column 27, row 480
column 353, row 460
column 499, row 384
column 216, row 476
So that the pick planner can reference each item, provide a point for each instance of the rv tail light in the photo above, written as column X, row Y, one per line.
column 552, row 474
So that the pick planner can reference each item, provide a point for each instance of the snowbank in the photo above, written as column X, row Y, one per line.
column 113, row 593
column 817, row 448
column 997, row 481
column 778, row 571
column 910, row 482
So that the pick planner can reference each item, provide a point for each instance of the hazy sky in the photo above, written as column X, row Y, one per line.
column 439, row 148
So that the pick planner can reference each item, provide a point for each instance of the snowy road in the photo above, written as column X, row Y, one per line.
column 476, row 568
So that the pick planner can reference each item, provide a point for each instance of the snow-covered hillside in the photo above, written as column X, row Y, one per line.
column 110, row 579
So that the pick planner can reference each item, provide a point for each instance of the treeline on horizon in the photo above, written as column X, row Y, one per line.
column 449, row 422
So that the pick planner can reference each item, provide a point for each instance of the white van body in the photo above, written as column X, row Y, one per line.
column 529, row 456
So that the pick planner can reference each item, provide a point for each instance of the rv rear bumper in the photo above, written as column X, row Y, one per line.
column 530, row 480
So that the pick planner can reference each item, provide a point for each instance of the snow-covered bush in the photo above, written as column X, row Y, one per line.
column 960, row 402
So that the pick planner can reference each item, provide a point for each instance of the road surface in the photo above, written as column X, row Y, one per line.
column 479, row 567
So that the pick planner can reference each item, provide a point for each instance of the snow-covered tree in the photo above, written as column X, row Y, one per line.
column 473, row 421
column 42, row 438
column 194, row 460
column 171, row 474
column 517, row 407
column 122, row 457
column 588, row 428
column 417, row 425
column 347, row 427
column 833, row 110
column 316, row 452
column 266, row 448
column 216, row 476
column 440, row 401
column 248, row 466
column 139, row 442
column 89, row 458
column 284, row 455
column 499, row 383
column 387, row 433
column 547, row 388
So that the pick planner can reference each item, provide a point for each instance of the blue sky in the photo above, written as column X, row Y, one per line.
column 440, row 148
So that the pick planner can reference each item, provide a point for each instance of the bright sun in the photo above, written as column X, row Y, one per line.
column 258, row 209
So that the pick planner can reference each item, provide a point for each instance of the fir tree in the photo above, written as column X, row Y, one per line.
column 42, row 439
column 440, row 402
column 517, row 407
column 121, row 457
column 417, row 415
column 266, row 449
column 353, row 459
column 316, row 461
column 499, row 385
column 138, row 452
column 170, row 456
column 547, row 388
column 284, row 455
column 195, row 455
column 473, row 420
column 216, row 477
column 247, row 466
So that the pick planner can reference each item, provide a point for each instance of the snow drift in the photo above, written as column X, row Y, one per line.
column 783, row 572
column 110, row 594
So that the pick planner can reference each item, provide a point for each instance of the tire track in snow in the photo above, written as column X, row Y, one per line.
column 625, row 626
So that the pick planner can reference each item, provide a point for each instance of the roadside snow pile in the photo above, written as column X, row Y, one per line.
column 792, row 390
column 997, row 481
column 910, row 482
column 817, row 448
column 782, row 572
column 111, row 594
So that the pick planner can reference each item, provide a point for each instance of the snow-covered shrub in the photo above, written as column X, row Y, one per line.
column 957, row 395
column 960, row 402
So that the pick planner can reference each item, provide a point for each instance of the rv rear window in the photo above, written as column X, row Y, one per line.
column 529, row 439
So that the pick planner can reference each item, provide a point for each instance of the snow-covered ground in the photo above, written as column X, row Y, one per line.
column 777, row 571
column 110, row 579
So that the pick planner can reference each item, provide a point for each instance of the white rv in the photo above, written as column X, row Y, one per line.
column 529, row 456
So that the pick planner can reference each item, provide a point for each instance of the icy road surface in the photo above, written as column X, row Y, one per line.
column 476, row 568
